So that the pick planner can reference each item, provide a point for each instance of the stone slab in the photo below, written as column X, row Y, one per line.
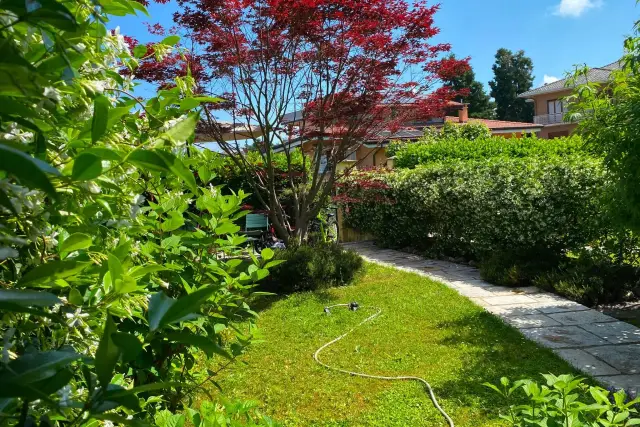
column 563, row 337
column 614, row 332
column 509, row 300
column 586, row 362
column 512, row 310
column 558, row 307
column 531, row 321
column 473, row 291
column 581, row 317
column 625, row 358
column 630, row 383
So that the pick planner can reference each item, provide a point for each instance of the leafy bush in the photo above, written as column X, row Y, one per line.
column 118, row 267
column 469, row 131
column 431, row 150
column 311, row 267
column 473, row 209
column 565, row 400
column 223, row 414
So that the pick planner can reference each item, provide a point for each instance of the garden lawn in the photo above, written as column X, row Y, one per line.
column 426, row 330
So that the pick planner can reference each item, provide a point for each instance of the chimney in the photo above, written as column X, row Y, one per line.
column 463, row 114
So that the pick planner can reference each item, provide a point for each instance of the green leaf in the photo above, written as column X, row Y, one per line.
column 141, row 271
column 189, row 104
column 54, row 14
column 28, row 298
column 33, row 367
column 29, row 170
column 130, row 346
column 182, row 130
column 143, row 388
column 39, row 389
column 75, row 242
column 100, row 116
column 227, row 228
column 6, row 202
column 115, row 269
column 107, row 353
column 126, row 284
column 159, row 304
column 267, row 254
column 140, row 50
column 179, row 169
column 203, row 343
column 51, row 271
column 139, row 7
column 75, row 297
column 173, row 222
column 165, row 311
column 171, row 40
column 146, row 159
column 205, row 174
column 86, row 166
column 117, row 419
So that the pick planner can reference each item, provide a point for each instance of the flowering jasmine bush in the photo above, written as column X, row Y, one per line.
column 119, row 266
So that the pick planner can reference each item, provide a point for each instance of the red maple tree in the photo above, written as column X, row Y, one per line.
column 352, row 69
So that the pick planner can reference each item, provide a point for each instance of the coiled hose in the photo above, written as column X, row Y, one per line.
column 354, row 306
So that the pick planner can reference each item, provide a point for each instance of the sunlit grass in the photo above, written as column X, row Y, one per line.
column 425, row 330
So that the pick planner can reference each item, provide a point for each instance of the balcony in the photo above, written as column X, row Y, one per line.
column 549, row 119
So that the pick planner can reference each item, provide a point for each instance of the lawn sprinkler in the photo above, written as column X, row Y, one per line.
column 354, row 306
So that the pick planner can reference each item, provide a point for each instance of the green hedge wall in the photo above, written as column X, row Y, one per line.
column 473, row 208
column 431, row 149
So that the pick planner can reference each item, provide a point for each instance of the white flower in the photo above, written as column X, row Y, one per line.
column 52, row 94
column 7, row 345
column 98, row 86
column 76, row 317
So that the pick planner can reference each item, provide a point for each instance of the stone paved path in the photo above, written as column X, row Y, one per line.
column 591, row 341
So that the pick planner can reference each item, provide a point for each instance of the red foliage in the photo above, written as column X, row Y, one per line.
column 340, row 59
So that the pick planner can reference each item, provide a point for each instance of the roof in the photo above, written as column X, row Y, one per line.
column 594, row 75
column 499, row 125
column 298, row 114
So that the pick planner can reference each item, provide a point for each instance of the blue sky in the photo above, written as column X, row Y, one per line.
column 556, row 34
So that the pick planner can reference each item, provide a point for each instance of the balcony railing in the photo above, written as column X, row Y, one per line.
column 549, row 119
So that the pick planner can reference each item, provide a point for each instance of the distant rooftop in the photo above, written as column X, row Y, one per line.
column 597, row 75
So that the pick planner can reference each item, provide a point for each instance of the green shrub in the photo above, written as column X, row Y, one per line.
column 469, row 131
column 475, row 208
column 430, row 150
column 311, row 267
column 565, row 400
column 591, row 279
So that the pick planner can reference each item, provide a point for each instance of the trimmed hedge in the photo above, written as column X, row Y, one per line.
column 474, row 208
column 430, row 149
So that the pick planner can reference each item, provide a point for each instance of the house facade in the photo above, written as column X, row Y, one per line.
column 550, row 107
column 372, row 153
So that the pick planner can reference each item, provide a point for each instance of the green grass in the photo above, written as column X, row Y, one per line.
column 425, row 330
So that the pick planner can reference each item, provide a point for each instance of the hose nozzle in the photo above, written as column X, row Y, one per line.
column 353, row 306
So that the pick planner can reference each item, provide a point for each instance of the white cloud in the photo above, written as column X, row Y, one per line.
column 549, row 79
column 575, row 8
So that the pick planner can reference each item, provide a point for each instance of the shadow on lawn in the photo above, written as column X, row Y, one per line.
column 264, row 302
column 495, row 350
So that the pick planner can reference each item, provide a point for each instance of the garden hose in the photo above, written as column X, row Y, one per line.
column 353, row 307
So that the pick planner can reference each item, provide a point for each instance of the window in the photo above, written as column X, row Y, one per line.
column 555, row 106
column 352, row 156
